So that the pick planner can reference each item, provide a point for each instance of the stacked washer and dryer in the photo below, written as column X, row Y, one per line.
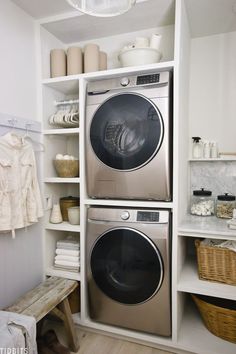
column 129, row 157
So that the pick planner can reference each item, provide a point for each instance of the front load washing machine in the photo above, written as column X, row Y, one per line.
column 129, row 137
column 128, row 268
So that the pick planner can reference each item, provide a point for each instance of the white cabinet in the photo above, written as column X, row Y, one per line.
column 189, row 45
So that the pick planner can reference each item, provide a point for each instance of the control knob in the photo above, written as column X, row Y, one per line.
column 125, row 215
column 125, row 81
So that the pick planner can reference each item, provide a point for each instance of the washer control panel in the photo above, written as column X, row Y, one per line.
column 148, row 79
column 150, row 216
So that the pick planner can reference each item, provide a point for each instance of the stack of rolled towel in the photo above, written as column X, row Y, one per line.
column 67, row 255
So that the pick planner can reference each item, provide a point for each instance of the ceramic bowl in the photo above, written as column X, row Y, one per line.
column 139, row 56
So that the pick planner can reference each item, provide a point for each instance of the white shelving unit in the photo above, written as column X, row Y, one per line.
column 183, row 25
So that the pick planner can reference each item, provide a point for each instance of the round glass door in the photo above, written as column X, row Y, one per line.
column 126, row 266
column 126, row 131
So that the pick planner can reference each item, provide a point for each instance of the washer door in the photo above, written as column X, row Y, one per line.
column 126, row 131
column 126, row 266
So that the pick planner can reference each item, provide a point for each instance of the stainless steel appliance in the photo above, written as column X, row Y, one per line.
column 129, row 137
column 128, row 268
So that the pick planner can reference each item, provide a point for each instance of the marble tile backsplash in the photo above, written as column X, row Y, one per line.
column 218, row 176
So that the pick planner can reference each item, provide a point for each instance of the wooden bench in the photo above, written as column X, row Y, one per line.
column 50, row 297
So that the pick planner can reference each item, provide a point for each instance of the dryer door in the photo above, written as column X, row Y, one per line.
column 126, row 265
column 126, row 131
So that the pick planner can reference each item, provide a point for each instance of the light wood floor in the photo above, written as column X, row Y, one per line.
column 93, row 343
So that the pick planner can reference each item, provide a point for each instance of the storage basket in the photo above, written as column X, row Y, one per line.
column 67, row 168
column 219, row 316
column 68, row 202
column 216, row 264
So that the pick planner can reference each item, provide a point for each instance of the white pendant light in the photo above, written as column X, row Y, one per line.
column 102, row 8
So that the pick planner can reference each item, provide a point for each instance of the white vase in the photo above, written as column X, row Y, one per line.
column 74, row 215
column 56, row 216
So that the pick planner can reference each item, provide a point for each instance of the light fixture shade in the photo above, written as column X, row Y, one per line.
column 102, row 8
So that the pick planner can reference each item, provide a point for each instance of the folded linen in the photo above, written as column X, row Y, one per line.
column 65, row 252
column 67, row 258
column 70, row 269
column 68, row 247
column 65, row 263
column 231, row 245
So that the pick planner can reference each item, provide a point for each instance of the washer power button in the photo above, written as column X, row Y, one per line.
column 125, row 81
column 125, row 215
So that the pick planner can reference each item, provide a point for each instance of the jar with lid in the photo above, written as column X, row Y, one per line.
column 197, row 151
column 225, row 205
column 202, row 203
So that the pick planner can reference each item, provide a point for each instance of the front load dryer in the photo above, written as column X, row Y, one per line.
column 129, row 138
column 128, row 268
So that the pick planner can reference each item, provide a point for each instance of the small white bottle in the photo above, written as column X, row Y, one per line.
column 214, row 150
column 197, row 151
column 206, row 150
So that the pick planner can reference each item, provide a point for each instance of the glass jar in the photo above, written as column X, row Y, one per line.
column 225, row 205
column 202, row 203
column 197, row 148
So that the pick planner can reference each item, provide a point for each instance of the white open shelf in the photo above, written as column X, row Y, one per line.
column 129, row 203
column 68, row 85
column 62, row 131
column 61, row 180
column 233, row 158
column 64, row 226
column 53, row 272
column 206, row 226
column 193, row 334
column 189, row 282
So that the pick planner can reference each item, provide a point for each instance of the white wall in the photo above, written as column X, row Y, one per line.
column 213, row 89
column 18, row 66
column 21, row 266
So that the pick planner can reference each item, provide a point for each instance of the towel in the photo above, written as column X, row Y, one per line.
column 67, row 252
column 65, row 263
column 231, row 245
column 18, row 331
column 67, row 258
column 70, row 269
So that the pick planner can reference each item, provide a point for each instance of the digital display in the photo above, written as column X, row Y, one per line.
column 148, row 79
column 148, row 216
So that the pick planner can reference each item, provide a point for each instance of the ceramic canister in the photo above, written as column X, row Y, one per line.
column 57, row 62
column 74, row 215
column 102, row 61
column 74, row 61
column 155, row 41
column 91, row 58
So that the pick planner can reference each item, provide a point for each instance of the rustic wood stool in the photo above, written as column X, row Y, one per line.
column 50, row 296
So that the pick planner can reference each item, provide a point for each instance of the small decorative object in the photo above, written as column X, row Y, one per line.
column 67, row 167
column 102, row 61
column 202, row 203
column 225, row 205
column 66, row 203
column 74, row 61
column 74, row 215
column 58, row 62
column 56, row 216
column 91, row 58
column 155, row 41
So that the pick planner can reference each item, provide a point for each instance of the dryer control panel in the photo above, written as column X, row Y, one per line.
column 148, row 79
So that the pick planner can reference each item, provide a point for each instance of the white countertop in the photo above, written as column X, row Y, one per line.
column 208, row 225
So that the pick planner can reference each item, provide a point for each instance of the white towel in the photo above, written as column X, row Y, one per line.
column 70, row 269
column 12, row 326
column 67, row 252
column 67, row 258
column 65, row 263
column 231, row 245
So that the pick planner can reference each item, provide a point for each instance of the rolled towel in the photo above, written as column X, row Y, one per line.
column 67, row 258
column 65, row 263
column 67, row 252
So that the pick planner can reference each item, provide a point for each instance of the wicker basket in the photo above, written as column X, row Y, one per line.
column 216, row 264
column 68, row 202
column 218, row 319
column 67, row 168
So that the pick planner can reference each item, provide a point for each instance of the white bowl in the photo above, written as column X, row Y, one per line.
column 139, row 56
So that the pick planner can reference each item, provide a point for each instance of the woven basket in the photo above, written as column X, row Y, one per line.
column 68, row 202
column 67, row 168
column 216, row 264
column 219, row 320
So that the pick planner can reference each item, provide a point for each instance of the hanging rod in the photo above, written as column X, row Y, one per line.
column 60, row 103
column 7, row 120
